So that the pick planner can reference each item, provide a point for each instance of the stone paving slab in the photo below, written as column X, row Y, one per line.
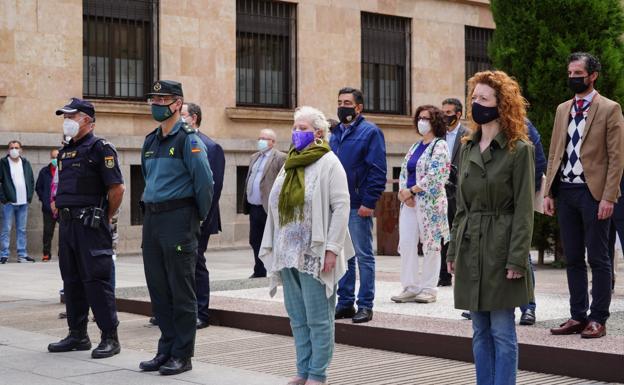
column 223, row 356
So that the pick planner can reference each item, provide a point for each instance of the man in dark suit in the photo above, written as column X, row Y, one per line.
column 192, row 115
column 452, row 109
column 263, row 169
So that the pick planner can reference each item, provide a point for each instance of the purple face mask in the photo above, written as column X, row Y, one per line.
column 301, row 139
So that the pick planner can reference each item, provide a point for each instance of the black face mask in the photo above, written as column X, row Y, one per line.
column 482, row 114
column 577, row 84
column 346, row 115
column 451, row 120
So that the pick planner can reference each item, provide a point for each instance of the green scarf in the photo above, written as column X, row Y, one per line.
column 292, row 196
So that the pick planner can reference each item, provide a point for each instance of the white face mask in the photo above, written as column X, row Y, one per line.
column 424, row 127
column 70, row 127
column 14, row 153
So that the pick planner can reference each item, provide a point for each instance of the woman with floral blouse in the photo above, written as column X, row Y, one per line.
column 423, row 217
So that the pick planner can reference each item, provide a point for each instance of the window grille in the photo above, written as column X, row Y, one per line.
column 265, row 53
column 477, row 59
column 386, row 53
column 120, row 48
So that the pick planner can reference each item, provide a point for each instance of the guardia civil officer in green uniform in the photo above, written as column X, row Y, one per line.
column 177, row 196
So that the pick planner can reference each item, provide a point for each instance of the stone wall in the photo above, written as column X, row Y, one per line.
column 41, row 68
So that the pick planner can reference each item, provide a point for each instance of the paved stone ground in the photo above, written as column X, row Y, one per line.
column 29, row 304
column 223, row 356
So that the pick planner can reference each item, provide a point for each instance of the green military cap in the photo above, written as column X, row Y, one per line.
column 166, row 87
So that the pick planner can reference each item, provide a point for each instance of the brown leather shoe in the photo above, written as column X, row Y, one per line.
column 569, row 327
column 594, row 330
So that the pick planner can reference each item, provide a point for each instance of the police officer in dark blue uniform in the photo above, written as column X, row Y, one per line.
column 90, row 191
column 177, row 196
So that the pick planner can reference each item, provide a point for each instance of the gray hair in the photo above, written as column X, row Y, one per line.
column 269, row 133
column 315, row 117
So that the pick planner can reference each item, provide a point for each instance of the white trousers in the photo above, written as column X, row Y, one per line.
column 411, row 228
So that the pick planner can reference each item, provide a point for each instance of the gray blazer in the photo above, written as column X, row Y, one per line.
column 271, row 169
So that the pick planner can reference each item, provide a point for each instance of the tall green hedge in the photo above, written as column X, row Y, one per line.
column 532, row 41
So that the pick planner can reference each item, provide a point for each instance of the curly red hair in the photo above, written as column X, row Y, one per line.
column 511, row 104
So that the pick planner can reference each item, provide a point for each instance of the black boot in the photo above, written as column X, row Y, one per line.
column 75, row 340
column 108, row 347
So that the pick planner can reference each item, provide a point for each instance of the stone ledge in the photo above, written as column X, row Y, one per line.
column 391, row 121
column 260, row 114
column 120, row 107
column 275, row 115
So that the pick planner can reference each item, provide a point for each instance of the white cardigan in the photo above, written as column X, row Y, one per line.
column 330, row 221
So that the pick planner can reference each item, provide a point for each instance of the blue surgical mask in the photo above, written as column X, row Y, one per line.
column 301, row 139
column 54, row 162
column 263, row 144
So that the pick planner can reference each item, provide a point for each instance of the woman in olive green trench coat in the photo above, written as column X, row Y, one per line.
column 492, row 230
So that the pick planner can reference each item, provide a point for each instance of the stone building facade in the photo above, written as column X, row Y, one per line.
column 43, row 62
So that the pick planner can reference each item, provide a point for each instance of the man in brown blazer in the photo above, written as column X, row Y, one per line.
column 585, row 165
column 263, row 169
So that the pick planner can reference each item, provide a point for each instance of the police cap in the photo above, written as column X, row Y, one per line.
column 76, row 105
column 166, row 87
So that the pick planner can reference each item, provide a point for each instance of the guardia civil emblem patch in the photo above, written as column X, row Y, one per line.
column 109, row 162
column 157, row 87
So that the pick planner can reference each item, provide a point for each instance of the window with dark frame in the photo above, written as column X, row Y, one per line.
column 386, row 62
column 476, row 43
column 120, row 48
column 266, row 53
column 137, row 185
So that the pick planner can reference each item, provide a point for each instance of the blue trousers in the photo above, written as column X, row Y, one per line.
column 361, row 229
column 495, row 347
column 580, row 228
column 311, row 316
column 20, row 212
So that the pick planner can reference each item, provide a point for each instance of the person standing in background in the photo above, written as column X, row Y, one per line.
column 192, row 115
column 18, row 185
column 264, row 166
column 43, row 189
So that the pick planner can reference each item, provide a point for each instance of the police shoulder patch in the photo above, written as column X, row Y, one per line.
column 109, row 161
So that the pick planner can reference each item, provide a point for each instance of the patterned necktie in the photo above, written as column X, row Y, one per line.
column 579, row 106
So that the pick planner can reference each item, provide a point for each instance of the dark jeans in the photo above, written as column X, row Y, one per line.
column 580, row 228
column 169, row 259
column 257, row 220
column 49, row 224
column 202, row 276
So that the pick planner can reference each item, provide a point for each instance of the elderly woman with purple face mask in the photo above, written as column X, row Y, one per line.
column 306, row 241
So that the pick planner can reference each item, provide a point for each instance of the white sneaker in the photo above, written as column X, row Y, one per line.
column 405, row 296
column 424, row 297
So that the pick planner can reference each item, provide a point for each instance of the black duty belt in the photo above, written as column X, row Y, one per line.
column 169, row 205
column 67, row 214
